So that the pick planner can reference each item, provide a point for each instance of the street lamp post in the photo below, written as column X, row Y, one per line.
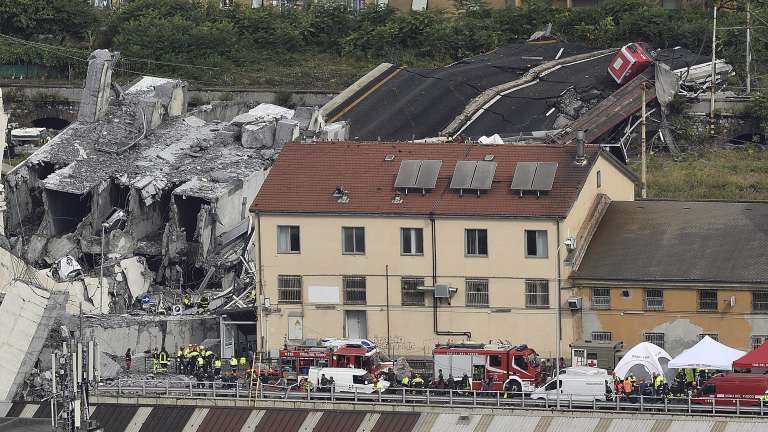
column 568, row 243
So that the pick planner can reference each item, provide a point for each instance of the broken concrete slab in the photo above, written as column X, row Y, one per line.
column 95, row 99
column 308, row 118
column 194, row 121
column 259, row 135
column 338, row 131
column 262, row 113
column 35, row 248
column 137, row 275
column 60, row 247
column 287, row 131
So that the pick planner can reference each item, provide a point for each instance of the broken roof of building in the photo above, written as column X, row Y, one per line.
column 200, row 158
column 679, row 241
column 420, row 103
column 306, row 175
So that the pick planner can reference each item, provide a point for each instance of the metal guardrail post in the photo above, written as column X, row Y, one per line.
column 618, row 402
column 761, row 406
column 213, row 389
column 450, row 397
column 333, row 393
column 355, row 394
column 143, row 388
column 642, row 400
column 167, row 388
column 522, row 400
column 713, row 405
column 380, row 396
column 498, row 399
column 190, row 389
column 119, row 387
column 546, row 401
column 474, row 398
column 237, row 390
column 594, row 403
column 689, row 404
column 403, row 394
column 666, row 405
column 570, row 401
column 427, row 396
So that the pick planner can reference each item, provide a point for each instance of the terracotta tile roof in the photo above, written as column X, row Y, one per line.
column 306, row 174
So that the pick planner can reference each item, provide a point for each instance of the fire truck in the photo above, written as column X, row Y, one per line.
column 295, row 361
column 511, row 368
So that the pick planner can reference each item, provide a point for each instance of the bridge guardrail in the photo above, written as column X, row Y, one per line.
column 435, row 397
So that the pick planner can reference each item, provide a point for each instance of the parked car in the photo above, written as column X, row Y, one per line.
column 578, row 383
column 346, row 379
column 725, row 389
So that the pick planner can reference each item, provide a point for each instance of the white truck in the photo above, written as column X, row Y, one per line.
column 579, row 383
column 346, row 379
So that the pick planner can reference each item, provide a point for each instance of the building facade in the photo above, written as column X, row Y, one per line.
column 671, row 272
column 343, row 252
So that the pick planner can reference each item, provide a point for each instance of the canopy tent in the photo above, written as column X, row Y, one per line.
column 707, row 354
column 754, row 359
column 642, row 361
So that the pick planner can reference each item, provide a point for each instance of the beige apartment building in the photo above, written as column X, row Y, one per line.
column 413, row 244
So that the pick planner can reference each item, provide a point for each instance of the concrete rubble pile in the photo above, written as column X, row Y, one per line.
column 140, row 202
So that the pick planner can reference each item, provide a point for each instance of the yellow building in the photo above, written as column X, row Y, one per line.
column 671, row 272
column 358, row 239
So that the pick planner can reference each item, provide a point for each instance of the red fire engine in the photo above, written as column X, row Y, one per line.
column 511, row 368
column 337, row 353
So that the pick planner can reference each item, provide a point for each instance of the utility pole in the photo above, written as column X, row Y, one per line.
column 749, row 46
column 644, row 190
column 714, row 71
column 3, row 127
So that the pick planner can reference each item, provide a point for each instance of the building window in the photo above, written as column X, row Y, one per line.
column 535, row 244
column 288, row 289
column 708, row 300
column 476, row 242
column 655, row 338
column 654, row 299
column 537, row 293
column 411, row 294
column 601, row 336
column 760, row 301
column 411, row 241
column 353, row 240
column 477, row 292
column 288, row 239
column 354, row 290
column 599, row 178
column 714, row 336
column 758, row 340
column 601, row 298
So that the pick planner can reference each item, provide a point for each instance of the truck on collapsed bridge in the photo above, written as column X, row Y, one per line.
column 331, row 352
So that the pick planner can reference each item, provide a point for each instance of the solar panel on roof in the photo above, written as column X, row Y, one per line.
column 462, row 174
column 406, row 176
column 524, row 172
column 484, row 173
column 427, row 178
column 545, row 176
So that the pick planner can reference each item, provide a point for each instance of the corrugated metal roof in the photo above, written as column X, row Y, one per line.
column 193, row 424
column 629, row 425
column 396, row 421
column 16, row 409
column 424, row 423
column 311, row 421
column 44, row 411
column 252, row 421
column 284, row 420
column 138, row 419
column 167, row 419
column 455, row 423
column 341, row 421
column 691, row 426
column 29, row 411
column 224, row 420
column 114, row 418
column 516, row 423
column 570, row 424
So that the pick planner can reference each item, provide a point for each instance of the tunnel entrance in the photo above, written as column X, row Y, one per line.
column 51, row 123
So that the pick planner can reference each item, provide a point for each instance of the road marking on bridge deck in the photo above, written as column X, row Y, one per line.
column 365, row 95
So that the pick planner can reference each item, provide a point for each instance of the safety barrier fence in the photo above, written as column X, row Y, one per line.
column 435, row 397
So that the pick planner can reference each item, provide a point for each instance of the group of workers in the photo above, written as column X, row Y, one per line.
column 193, row 360
column 685, row 383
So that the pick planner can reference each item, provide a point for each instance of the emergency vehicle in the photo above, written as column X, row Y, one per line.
column 628, row 62
column 512, row 368
column 295, row 361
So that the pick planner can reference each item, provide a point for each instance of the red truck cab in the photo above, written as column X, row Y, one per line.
column 628, row 62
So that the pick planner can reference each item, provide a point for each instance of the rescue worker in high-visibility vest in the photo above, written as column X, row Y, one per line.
column 764, row 398
column 179, row 361
column 204, row 302
column 417, row 382
column 658, row 384
column 155, row 360
column 163, row 360
column 217, row 367
column 406, row 381
column 200, row 364
column 186, row 301
column 233, row 363
column 377, row 386
column 690, row 377
column 242, row 362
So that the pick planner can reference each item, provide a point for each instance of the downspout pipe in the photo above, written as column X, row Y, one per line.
column 434, row 282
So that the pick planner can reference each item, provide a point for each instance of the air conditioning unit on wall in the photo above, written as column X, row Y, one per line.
column 574, row 303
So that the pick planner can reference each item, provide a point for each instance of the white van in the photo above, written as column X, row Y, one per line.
column 579, row 383
column 346, row 379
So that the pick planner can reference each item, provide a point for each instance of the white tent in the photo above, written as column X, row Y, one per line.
column 642, row 361
column 707, row 354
